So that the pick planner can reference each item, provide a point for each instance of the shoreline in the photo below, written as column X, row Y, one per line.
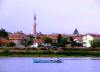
column 61, row 58
column 75, row 52
column 50, row 56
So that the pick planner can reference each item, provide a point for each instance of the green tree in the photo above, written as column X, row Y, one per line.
column 59, row 38
column 11, row 44
column 29, row 40
column 65, row 41
column 95, row 43
column 72, row 42
column 3, row 33
column 61, row 41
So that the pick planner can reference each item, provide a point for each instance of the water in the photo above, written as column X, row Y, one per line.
column 17, row 64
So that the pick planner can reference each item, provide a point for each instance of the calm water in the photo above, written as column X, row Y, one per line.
column 16, row 64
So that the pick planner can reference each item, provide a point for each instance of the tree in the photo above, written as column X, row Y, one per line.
column 61, row 41
column 65, row 41
column 3, row 33
column 95, row 43
column 71, row 39
column 29, row 40
column 72, row 42
column 59, row 38
column 11, row 44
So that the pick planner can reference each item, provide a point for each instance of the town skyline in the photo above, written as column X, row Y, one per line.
column 52, row 16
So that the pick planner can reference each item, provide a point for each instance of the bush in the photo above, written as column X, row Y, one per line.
column 73, row 44
column 95, row 43
column 6, row 52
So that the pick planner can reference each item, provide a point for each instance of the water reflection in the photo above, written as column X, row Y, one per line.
column 15, row 64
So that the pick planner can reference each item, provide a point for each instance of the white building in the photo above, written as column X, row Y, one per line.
column 87, row 40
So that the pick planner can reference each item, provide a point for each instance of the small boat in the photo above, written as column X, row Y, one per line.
column 47, row 61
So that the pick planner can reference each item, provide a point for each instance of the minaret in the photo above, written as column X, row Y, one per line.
column 34, row 25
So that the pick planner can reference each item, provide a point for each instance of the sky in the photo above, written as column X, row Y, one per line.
column 53, row 16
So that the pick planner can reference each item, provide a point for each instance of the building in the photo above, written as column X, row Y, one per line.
column 87, row 40
column 53, row 37
column 78, row 38
column 76, row 32
column 18, row 38
column 4, row 42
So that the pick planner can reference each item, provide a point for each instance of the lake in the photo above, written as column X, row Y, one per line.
column 25, row 64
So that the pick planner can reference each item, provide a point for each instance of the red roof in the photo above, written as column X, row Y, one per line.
column 3, row 41
column 38, row 41
column 17, row 35
column 53, row 36
column 79, row 38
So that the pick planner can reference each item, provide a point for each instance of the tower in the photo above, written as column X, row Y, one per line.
column 34, row 25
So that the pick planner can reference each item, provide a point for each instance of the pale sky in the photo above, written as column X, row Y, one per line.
column 59, row 16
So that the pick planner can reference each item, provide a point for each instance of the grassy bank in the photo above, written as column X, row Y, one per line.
column 49, row 53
